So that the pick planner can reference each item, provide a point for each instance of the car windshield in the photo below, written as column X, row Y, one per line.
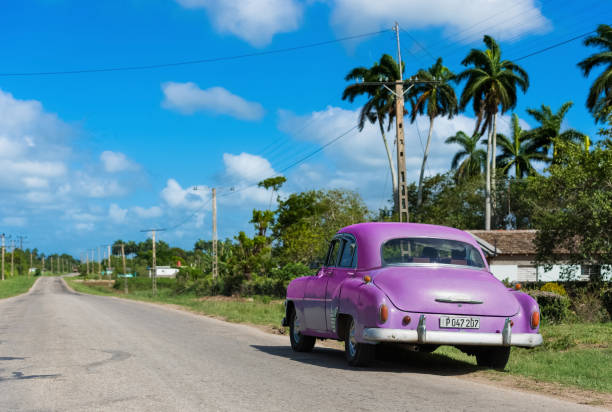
column 406, row 251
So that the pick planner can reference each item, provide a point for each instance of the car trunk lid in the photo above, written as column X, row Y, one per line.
column 447, row 290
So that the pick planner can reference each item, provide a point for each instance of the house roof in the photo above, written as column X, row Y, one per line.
column 507, row 242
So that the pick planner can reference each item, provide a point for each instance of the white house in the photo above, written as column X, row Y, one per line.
column 511, row 254
column 163, row 272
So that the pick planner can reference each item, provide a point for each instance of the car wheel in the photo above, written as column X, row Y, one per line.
column 299, row 342
column 357, row 354
column 495, row 357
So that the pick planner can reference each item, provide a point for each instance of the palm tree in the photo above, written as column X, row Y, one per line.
column 600, row 94
column 436, row 99
column 518, row 151
column 491, row 86
column 380, row 106
column 471, row 157
column 549, row 131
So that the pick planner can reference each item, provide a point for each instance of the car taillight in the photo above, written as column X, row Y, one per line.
column 535, row 319
column 383, row 313
column 406, row 320
column 367, row 278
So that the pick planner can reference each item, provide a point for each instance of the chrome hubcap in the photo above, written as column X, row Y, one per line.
column 352, row 343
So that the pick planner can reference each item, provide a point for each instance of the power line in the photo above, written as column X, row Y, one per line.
column 192, row 62
column 297, row 162
column 552, row 46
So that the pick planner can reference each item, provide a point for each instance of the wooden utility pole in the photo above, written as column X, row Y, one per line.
column 2, row 255
column 154, row 274
column 215, row 263
column 42, row 270
column 87, row 261
column 125, row 279
column 12, row 257
column 402, row 189
column 99, row 263
column 31, row 263
column 108, row 269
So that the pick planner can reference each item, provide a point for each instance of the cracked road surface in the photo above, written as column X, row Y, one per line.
column 65, row 351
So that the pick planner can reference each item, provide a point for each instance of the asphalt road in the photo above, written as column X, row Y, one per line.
column 65, row 351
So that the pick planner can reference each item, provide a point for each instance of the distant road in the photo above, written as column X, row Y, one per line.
column 70, row 352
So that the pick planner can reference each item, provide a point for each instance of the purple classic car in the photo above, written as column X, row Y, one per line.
column 413, row 284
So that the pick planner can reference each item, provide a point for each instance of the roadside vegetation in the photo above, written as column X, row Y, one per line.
column 15, row 285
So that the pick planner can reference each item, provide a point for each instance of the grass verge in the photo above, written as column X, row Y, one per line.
column 15, row 285
column 577, row 354
column 574, row 355
column 255, row 311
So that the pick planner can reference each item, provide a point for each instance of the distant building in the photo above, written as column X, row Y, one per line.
column 163, row 272
column 511, row 255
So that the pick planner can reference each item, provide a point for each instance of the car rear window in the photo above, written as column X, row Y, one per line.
column 406, row 251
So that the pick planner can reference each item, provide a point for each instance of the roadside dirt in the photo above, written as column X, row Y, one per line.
column 576, row 395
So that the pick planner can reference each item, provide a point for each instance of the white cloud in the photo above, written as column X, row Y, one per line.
column 247, row 167
column 255, row 21
column 358, row 161
column 188, row 98
column 177, row 197
column 464, row 20
column 147, row 213
column 117, row 214
column 14, row 221
column 97, row 187
column 84, row 227
column 116, row 162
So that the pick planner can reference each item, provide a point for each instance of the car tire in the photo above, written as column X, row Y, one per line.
column 299, row 342
column 495, row 357
column 357, row 354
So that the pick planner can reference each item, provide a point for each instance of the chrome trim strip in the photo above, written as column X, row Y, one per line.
column 529, row 340
column 451, row 300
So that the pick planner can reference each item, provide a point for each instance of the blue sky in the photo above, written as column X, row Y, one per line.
column 89, row 158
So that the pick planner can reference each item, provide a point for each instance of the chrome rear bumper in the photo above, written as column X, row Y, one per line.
column 423, row 336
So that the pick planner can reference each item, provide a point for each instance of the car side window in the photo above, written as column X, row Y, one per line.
column 332, row 254
column 347, row 258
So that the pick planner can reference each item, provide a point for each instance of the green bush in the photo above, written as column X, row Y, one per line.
column 260, row 285
column 291, row 271
column 606, row 300
column 554, row 308
column 554, row 288
column 589, row 307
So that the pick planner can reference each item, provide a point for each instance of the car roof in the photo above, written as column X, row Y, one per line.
column 370, row 237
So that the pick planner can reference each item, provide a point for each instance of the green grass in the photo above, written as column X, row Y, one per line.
column 256, row 311
column 577, row 354
column 16, row 285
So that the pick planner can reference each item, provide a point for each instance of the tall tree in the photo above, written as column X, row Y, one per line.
column 600, row 94
column 518, row 151
column 545, row 136
column 471, row 157
column 380, row 105
column 492, row 87
column 434, row 99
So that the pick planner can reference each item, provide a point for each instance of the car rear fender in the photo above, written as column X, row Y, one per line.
column 522, row 320
column 359, row 301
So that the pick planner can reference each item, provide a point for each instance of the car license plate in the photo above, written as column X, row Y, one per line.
column 459, row 322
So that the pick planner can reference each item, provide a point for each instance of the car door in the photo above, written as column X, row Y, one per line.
column 314, row 293
column 345, row 267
